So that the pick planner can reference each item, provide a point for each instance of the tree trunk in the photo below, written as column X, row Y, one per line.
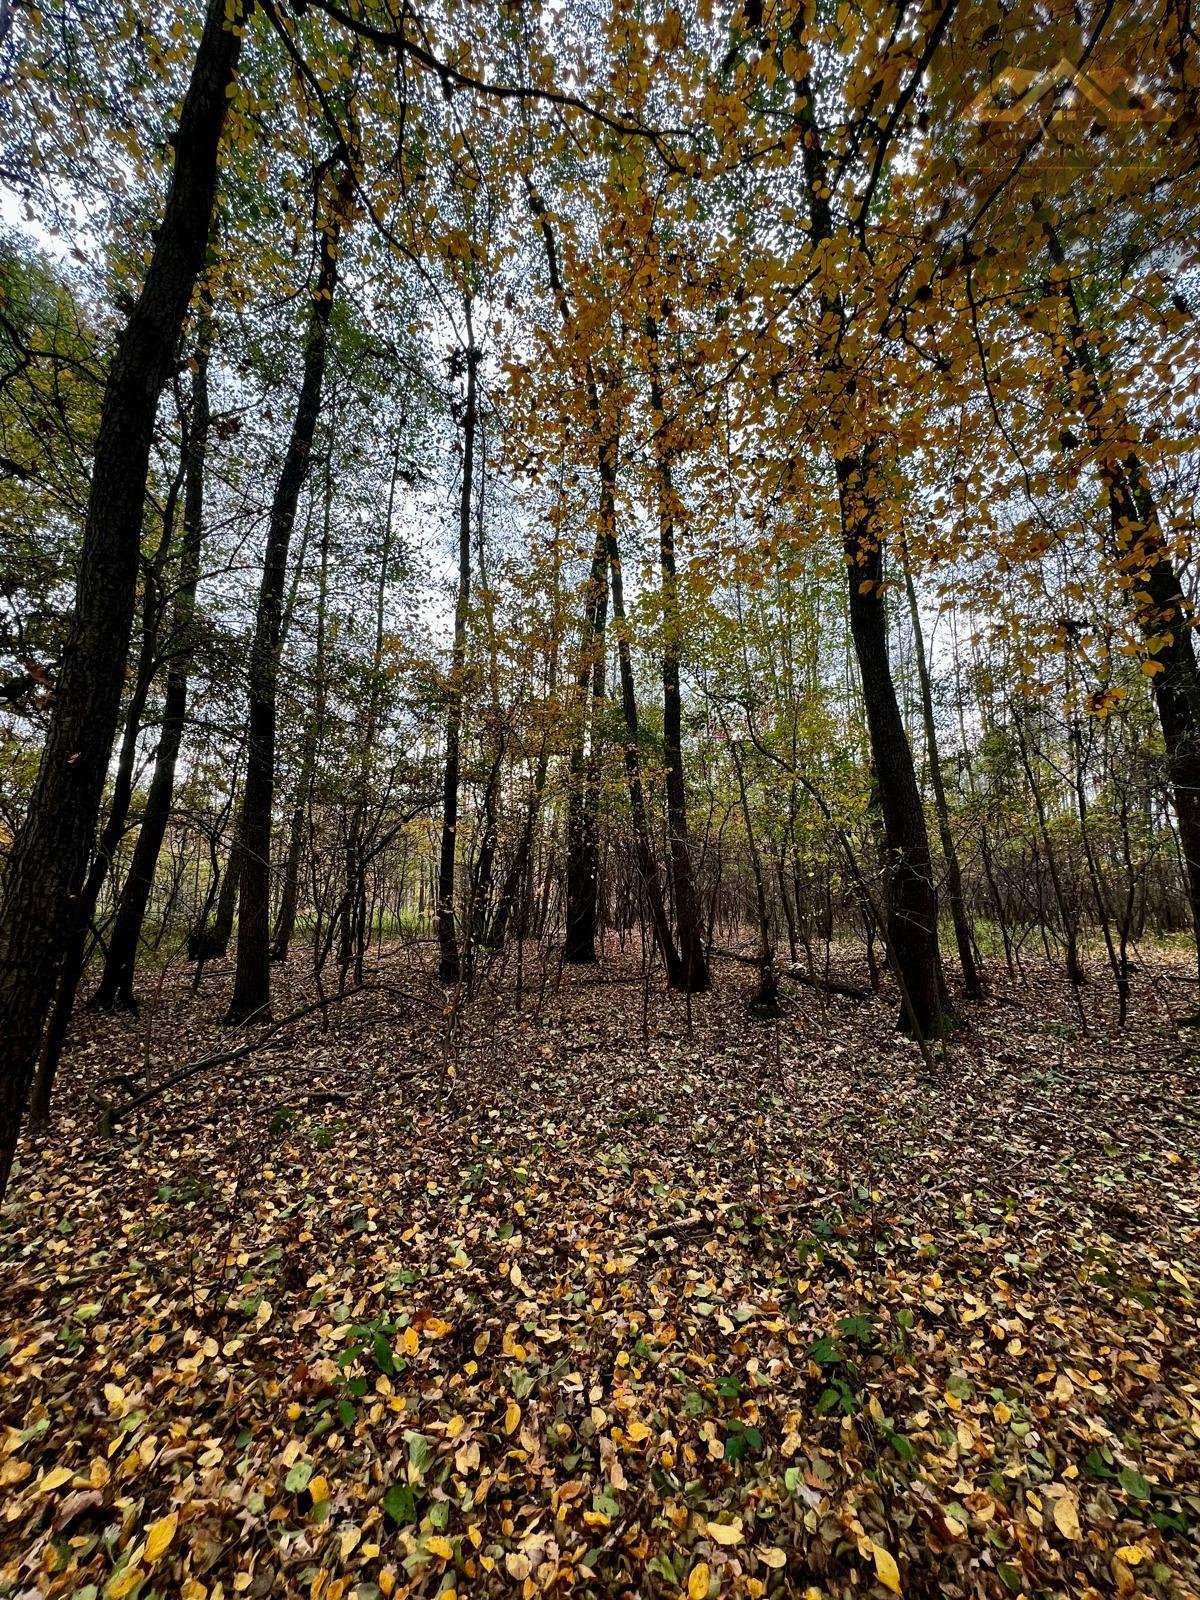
column 646, row 860
column 912, row 897
column 972, row 986
column 116, row 984
column 1160, row 609
column 449, row 965
column 693, row 964
column 50, row 852
column 251, row 997
column 286, row 922
column 583, row 797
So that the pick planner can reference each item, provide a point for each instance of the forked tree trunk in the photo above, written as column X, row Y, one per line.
column 251, row 999
column 76, row 951
column 116, row 984
column 50, row 853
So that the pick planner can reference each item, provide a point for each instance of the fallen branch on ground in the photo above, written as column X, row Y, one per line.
column 114, row 1114
column 798, row 975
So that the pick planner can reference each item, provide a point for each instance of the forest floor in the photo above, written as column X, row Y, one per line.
column 592, row 1297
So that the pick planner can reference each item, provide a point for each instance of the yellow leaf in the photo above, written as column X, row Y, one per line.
column 54, row 1480
column 440, row 1546
column 886, row 1569
column 1131, row 1554
column 1066, row 1516
column 410, row 1342
column 160, row 1535
column 698, row 1580
column 124, row 1582
column 318, row 1489
column 725, row 1532
column 1152, row 668
column 512, row 1417
column 638, row 1431
column 1001, row 1412
column 772, row 1557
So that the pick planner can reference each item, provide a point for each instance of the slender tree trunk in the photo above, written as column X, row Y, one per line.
column 285, row 924
column 251, row 997
column 449, row 964
column 583, row 796
column 646, row 860
column 1066, row 916
column 116, row 983
column 583, row 793
column 972, row 986
column 693, row 962
column 912, row 897
column 211, row 940
column 1160, row 608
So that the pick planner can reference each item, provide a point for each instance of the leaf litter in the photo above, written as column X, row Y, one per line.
column 591, row 1292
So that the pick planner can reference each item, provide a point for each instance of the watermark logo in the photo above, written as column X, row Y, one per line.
column 1063, row 93
column 1030, row 121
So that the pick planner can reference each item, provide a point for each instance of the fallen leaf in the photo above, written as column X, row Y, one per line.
column 1066, row 1515
column 886, row 1569
column 727, row 1533
column 160, row 1534
column 698, row 1581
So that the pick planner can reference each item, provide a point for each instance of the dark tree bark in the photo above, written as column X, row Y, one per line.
column 251, row 997
column 583, row 795
column 912, row 896
column 211, row 939
column 50, row 852
column 647, row 862
column 449, row 965
column 79, row 937
column 115, row 992
column 693, row 963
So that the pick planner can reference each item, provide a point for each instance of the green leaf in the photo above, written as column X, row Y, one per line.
column 1133, row 1483
column 298, row 1478
column 400, row 1504
column 420, row 1452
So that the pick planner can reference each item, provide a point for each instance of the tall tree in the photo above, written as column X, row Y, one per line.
column 251, row 998
column 449, row 963
column 50, row 854
column 115, row 991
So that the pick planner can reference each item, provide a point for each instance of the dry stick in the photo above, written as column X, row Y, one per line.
column 113, row 1114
